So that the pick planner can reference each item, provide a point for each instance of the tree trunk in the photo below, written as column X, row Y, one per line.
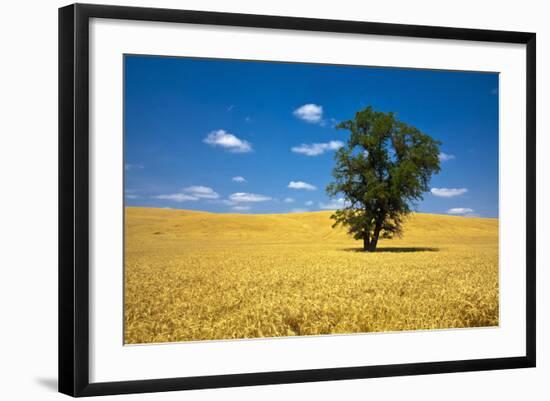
column 374, row 240
column 366, row 242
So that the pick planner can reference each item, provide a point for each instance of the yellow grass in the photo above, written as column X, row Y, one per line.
column 203, row 276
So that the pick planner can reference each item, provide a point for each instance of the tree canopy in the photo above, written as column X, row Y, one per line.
column 382, row 172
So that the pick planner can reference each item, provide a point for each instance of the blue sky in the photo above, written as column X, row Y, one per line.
column 234, row 136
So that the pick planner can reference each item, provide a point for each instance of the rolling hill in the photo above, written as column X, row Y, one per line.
column 200, row 276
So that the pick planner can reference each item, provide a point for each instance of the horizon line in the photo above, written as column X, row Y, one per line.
column 290, row 213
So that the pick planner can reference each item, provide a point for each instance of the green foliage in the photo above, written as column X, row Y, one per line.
column 383, row 170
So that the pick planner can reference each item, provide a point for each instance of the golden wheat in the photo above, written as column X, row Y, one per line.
column 203, row 276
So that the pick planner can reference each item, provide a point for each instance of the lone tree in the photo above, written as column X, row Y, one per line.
column 384, row 168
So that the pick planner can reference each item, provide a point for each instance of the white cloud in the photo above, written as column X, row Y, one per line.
column 334, row 204
column 299, row 210
column 238, row 179
column 460, row 210
column 177, row 197
column 202, row 192
column 301, row 185
column 311, row 113
column 129, row 166
column 131, row 196
column 241, row 208
column 445, row 157
column 248, row 197
column 288, row 200
column 448, row 192
column 316, row 149
column 227, row 141
column 308, row 203
column 192, row 193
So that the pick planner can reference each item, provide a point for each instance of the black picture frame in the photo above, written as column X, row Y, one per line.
column 74, row 198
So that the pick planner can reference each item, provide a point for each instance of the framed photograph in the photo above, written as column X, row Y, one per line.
column 250, row 199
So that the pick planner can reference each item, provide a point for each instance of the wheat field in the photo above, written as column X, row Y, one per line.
column 203, row 276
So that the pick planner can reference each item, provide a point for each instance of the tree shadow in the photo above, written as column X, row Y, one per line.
column 383, row 249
